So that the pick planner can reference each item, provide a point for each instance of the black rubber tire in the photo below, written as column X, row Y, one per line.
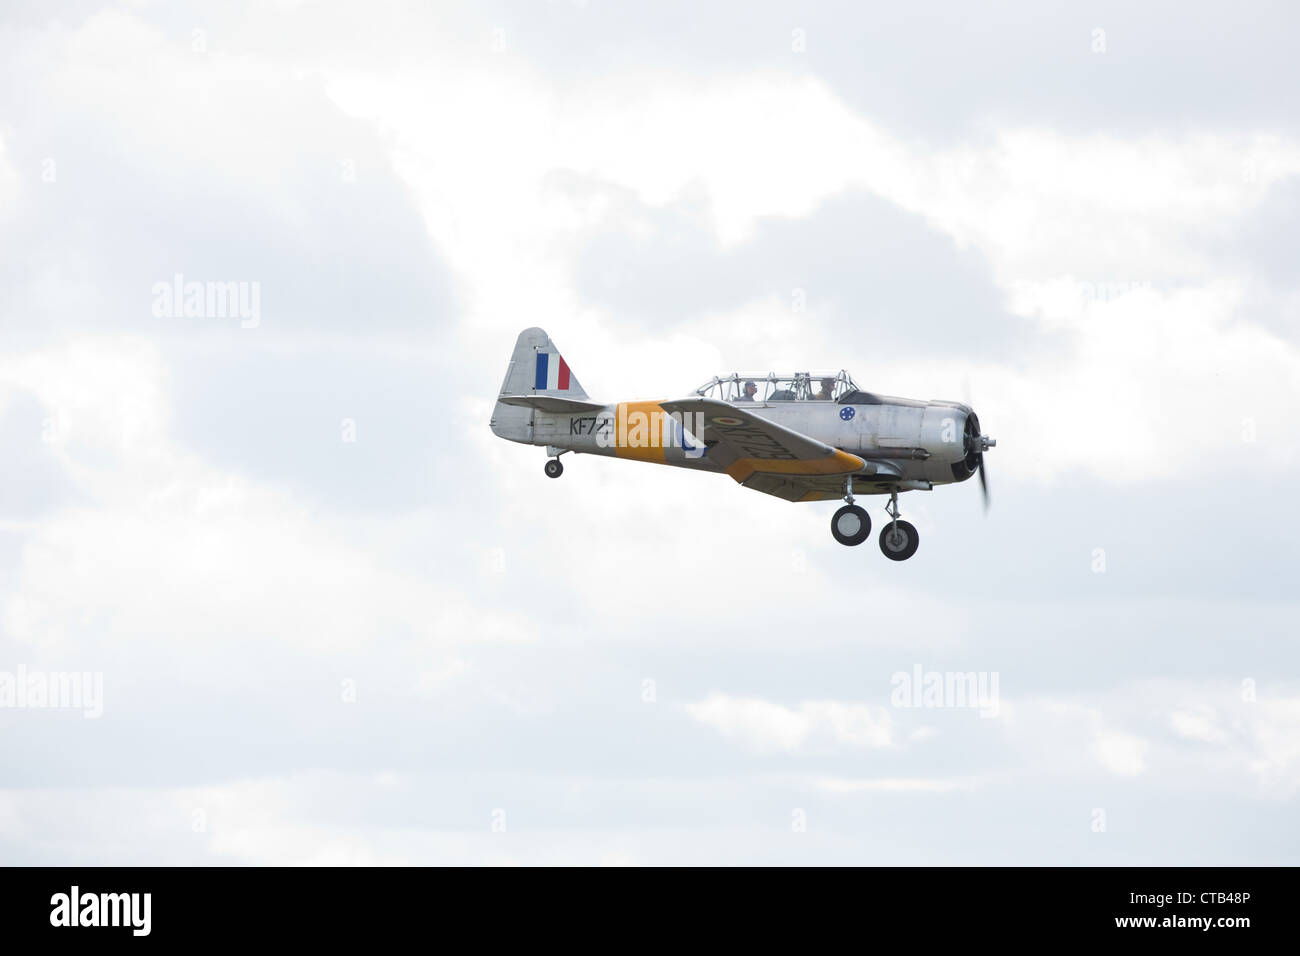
column 554, row 468
column 855, row 537
column 907, row 531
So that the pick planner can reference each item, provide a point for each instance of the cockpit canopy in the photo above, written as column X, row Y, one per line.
column 774, row 387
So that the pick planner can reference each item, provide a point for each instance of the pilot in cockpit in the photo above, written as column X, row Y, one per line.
column 827, row 390
column 750, row 391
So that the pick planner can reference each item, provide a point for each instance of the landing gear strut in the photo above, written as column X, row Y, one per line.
column 898, row 539
column 850, row 525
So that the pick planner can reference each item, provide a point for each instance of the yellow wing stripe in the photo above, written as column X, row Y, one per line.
column 837, row 463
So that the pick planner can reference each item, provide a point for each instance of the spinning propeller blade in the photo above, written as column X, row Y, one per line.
column 984, row 483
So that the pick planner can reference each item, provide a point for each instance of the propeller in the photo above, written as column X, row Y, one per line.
column 984, row 483
column 976, row 444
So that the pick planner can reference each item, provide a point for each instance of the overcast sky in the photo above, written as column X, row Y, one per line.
column 338, row 621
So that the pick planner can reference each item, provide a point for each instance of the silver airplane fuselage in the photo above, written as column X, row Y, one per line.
column 906, row 444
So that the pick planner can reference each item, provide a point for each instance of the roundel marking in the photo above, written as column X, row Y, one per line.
column 728, row 420
column 847, row 413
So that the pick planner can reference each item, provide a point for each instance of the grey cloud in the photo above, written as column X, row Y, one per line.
column 325, row 228
column 865, row 268
column 1263, row 248
column 941, row 71
column 349, row 430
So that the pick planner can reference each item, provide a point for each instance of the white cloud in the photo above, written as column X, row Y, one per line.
column 1219, row 740
column 1198, row 723
column 1275, row 733
column 164, row 549
column 1058, row 729
column 1155, row 380
column 767, row 727
column 1120, row 753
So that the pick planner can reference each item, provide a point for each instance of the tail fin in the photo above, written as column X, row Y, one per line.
column 537, row 368
column 537, row 377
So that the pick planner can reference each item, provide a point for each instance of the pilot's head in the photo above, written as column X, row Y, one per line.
column 750, row 390
column 827, row 385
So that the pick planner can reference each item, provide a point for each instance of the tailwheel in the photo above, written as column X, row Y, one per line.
column 850, row 525
column 898, row 540
column 554, row 468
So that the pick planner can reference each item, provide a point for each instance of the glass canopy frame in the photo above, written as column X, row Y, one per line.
column 777, row 387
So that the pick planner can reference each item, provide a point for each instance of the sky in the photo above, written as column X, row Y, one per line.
column 318, row 614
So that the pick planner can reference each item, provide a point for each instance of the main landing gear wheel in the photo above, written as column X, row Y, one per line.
column 851, row 525
column 898, row 540
column 554, row 468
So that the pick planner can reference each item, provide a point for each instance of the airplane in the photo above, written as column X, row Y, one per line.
column 798, row 436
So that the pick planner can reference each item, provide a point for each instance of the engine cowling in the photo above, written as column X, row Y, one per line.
column 972, row 447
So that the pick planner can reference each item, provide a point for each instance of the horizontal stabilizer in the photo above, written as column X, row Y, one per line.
column 555, row 406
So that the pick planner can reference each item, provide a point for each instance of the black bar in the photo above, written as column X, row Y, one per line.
column 958, row 905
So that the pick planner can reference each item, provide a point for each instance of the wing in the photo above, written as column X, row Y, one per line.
column 799, row 488
column 825, row 487
column 765, row 456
